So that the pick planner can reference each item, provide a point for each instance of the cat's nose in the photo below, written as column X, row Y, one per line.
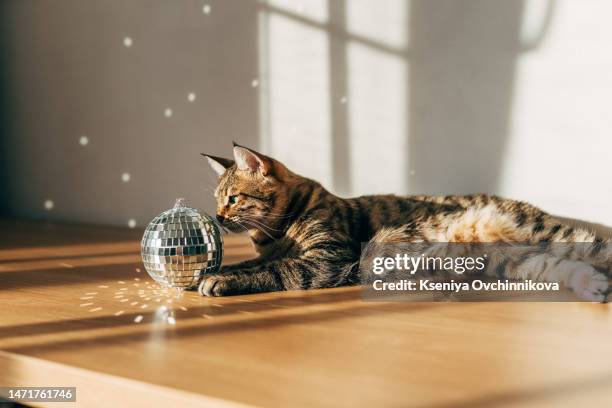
column 220, row 218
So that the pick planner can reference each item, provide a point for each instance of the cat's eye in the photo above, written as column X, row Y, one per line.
column 233, row 199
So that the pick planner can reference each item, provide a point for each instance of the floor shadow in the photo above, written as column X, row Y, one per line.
column 64, row 273
column 65, row 276
column 63, row 257
column 231, row 306
column 515, row 398
column 223, row 327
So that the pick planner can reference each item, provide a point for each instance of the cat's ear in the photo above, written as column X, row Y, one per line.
column 218, row 164
column 250, row 160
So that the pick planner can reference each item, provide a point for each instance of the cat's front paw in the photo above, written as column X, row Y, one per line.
column 218, row 285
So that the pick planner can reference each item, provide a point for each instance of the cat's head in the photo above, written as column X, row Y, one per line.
column 253, row 190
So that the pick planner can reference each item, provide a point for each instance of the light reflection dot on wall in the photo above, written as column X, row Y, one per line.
column 83, row 140
column 343, row 100
column 255, row 83
column 125, row 177
column 49, row 204
column 206, row 9
column 191, row 97
column 127, row 41
column 132, row 223
column 168, row 112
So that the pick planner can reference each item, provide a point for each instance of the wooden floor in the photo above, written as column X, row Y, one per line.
column 78, row 309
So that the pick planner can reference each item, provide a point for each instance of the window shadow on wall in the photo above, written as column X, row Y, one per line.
column 462, row 72
column 426, row 114
column 460, row 87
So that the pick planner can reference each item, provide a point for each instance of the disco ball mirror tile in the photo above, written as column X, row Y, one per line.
column 181, row 245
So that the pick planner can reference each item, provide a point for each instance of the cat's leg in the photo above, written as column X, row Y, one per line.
column 250, row 263
column 323, row 261
column 300, row 273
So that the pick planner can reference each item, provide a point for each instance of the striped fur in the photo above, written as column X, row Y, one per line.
column 308, row 238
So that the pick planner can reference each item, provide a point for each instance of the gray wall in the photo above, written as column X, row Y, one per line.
column 509, row 97
column 65, row 73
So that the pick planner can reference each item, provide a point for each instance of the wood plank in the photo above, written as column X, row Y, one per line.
column 64, row 320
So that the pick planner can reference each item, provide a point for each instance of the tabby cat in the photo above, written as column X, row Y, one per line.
column 308, row 238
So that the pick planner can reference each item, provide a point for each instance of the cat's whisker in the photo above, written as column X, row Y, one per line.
column 246, row 229
column 242, row 226
column 255, row 221
column 259, row 228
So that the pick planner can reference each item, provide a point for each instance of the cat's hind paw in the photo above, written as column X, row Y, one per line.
column 590, row 285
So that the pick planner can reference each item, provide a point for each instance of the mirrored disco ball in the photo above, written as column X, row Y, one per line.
column 181, row 245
